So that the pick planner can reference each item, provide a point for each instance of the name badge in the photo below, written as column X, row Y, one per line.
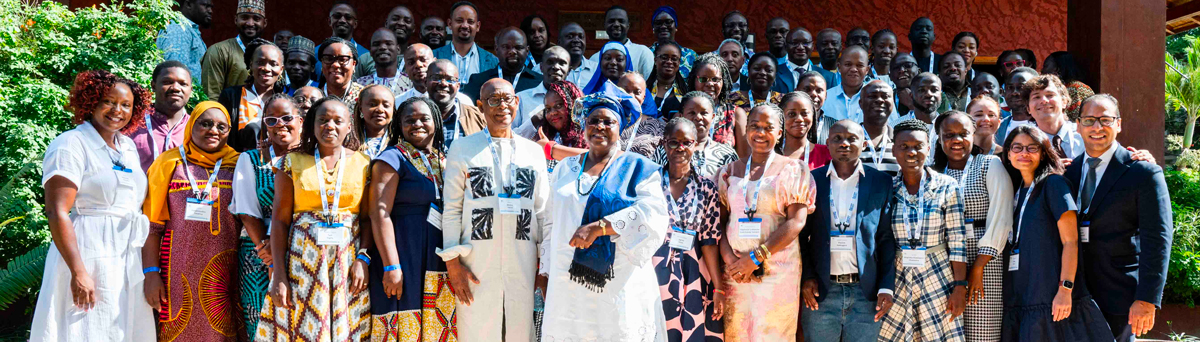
column 509, row 204
column 682, row 239
column 970, row 224
column 435, row 216
column 841, row 242
column 749, row 228
column 198, row 210
column 1014, row 260
column 124, row 176
column 912, row 257
column 1085, row 232
column 332, row 234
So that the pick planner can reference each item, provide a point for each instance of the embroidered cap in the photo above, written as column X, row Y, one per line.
column 303, row 45
column 258, row 7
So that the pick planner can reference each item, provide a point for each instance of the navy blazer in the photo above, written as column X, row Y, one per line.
column 1130, row 237
column 875, row 240
column 487, row 61
column 785, row 80
column 529, row 79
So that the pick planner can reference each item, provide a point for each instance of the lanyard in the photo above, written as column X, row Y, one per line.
column 993, row 150
column 636, row 126
column 150, row 137
column 240, row 44
column 115, row 155
column 1021, row 215
column 875, row 154
column 913, row 229
column 700, row 158
column 751, row 94
column 516, row 78
column 504, row 186
column 455, row 133
column 961, row 178
column 752, row 202
column 325, row 89
column 671, row 204
column 842, row 222
column 670, row 92
column 930, row 69
column 437, row 188
column 336, row 192
column 202, row 195
column 807, row 148
column 274, row 163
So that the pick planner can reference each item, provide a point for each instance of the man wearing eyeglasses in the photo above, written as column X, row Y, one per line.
column 462, row 50
column 495, row 219
column 776, row 33
column 513, row 50
column 1125, row 222
column 224, row 64
column 343, row 19
column 459, row 117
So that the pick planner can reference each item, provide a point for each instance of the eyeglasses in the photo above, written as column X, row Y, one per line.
column 1106, row 121
column 1015, row 64
column 677, row 144
column 709, row 79
column 305, row 100
column 208, row 124
column 664, row 22
column 500, row 101
column 602, row 123
column 331, row 59
column 275, row 121
column 1025, row 149
column 443, row 78
column 668, row 59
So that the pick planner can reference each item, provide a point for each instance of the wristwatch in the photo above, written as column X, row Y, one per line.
column 1069, row 285
column 603, row 227
column 958, row 283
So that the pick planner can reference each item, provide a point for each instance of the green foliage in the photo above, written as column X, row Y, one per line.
column 43, row 45
column 19, row 277
column 1183, row 86
column 1183, row 274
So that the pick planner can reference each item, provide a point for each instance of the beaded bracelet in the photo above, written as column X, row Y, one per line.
column 150, row 269
column 365, row 259
column 390, row 268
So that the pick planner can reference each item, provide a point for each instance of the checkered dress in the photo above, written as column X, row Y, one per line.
column 922, row 294
column 982, row 320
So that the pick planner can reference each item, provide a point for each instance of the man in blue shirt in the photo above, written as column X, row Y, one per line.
column 462, row 50
column 181, row 41
column 777, row 32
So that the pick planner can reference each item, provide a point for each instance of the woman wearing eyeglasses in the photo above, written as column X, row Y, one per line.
column 1008, row 61
column 316, row 291
column 246, row 102
column 1045, row 299
column 337, row 73
column 665, row 82
column 712, row 76
column 253, row 195
column 609, row 218
column 190, row 258
column 708, row 156
column 687, row 262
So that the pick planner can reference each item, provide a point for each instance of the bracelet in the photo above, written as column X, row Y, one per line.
column 549, row 150
column 766, row 253
column 150, row 269
column 390, row 268
column 957, row 283
column 722, row 292
column 754, row 259
column 365, row 259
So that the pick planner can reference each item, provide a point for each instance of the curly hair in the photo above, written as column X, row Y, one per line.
column 405, row 108
column 722, row 69
column 1041, row 83
column 91, row 87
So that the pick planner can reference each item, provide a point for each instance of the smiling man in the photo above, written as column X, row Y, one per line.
column 462, row 50
column 400, row 22
column 433, row 32
column 181, row 41
column 513, row 50
column 800, row 46
column 554, row 66
column 164, row 130
column 735, row 26
column 459, row 117
column 616, row 24
column 385, row 52
column 953, row 73
column 901, row 72
column 574, row 39
column 223, row 64
column 842, row 101
column 927, row 94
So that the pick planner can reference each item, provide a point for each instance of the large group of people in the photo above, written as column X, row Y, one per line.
column 436, row 191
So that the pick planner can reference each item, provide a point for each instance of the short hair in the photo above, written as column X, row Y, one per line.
column 773, row 110
column 92, row 86
column 809, row 74
column 308, row 135
column 778, row 19
column 456, row 5
column 964, row 35
column 1101, row 97
column 846, row 51
column 879, row 34
column 164, row 66
column 761, row 55
column 952, row 52
column 569, row 24
column 506, row 30
column 940, row 159
column 731, row 13
column 678, row 122
column 923, row 74
column 910, row 125
column 1022, row 70
column 1042, row 82
column 614, row 8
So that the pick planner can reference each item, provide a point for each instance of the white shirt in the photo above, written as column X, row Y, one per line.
column 582, row 74
column 1072, row 142
column 1017, row 123
column 796, row 74
column 467, row 65
column 412, row 92
column 245, row 191
column 640, row 55
column 1105, row 159
column 531, row 100
column 842, row 191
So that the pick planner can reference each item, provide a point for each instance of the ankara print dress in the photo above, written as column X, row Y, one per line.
column 683, row 278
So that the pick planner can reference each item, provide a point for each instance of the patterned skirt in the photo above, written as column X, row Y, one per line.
column 255, row 279
column 982, row 320
column 322, row 307
column 433, row 322
column 922, row 295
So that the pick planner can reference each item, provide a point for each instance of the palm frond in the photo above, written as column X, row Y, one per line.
column 22, row 275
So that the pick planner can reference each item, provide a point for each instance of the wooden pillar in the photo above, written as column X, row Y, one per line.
column 1121, row 46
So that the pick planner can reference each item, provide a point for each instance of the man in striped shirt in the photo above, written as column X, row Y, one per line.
column 876, row 102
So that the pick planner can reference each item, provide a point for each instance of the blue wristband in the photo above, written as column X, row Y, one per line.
column 365, row 259
column 390, row 268
column 755, row 259
column 149, row 269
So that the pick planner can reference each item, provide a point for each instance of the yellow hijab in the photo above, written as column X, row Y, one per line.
column 160, row 172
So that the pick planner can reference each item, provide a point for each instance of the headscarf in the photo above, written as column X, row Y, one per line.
column 667, row 9
column 611, row 97
column 597, row 81
column 568, row 92
column 163, row 168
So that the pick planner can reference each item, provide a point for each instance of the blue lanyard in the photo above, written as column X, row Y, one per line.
column 752, row 202
column 842, row 221
column 915, row 227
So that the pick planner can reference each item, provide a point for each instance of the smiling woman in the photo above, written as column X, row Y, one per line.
column 245, row 102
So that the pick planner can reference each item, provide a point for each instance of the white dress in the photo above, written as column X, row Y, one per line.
column 629, row 308
column 110, row 231
column 500, row 249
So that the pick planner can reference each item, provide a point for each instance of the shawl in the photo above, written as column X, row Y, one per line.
column 160, row 172
column 615, row 190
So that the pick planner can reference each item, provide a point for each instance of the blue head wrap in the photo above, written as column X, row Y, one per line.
column 597, row 81
column 669, row 11
column 611, row 97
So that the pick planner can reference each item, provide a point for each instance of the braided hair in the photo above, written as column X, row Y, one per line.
column 568, row 92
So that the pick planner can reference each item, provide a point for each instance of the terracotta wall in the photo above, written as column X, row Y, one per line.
column 1040, row 25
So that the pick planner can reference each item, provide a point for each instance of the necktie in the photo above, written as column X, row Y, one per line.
column 1057, row 142
column 1089, row 187
column 799, row 71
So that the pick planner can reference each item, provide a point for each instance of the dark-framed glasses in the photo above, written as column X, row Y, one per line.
column 1106, row 121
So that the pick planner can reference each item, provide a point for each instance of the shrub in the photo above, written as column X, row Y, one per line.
column 1183, row 274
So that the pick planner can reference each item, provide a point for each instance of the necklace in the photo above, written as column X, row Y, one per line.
column 579, row 177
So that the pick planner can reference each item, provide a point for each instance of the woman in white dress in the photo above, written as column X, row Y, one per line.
column 92, row 286
column 609, row 218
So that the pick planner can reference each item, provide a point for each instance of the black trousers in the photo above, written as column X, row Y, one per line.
column 1122, row 331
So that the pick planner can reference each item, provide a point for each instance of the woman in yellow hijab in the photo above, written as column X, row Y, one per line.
column 192, row 245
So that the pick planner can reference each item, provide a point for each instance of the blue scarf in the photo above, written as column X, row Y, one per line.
column 615, row 190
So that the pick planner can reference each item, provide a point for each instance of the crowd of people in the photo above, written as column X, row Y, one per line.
column 436, row 191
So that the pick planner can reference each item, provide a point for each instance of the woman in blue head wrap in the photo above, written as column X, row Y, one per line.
column 609, row 218
column 664, row 24
column 614, row 62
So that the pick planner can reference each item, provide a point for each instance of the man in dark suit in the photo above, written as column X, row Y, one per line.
column 849, row 249
column 1125, row 222
column 512, row 50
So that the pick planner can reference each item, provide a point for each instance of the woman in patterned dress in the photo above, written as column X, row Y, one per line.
column 712, row 76
column 931, row 268
column 254, row 192
column 373, row 118
column 406, row 185
column 760, row 247
column 692, row 302
column 317, row 290
column 798, row 111
column 191, row 255
column 708, row 156
column 986, row 190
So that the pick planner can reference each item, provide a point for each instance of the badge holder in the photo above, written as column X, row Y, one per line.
column 331, row 233
column 970, row 224
column 1085, row 231
column 840, row 241
column 435, row 216
column 681, row 239
column 124, row 176
column 1014, row 260
column 913, row 257
column 510, row 204
column 198, row 210
column 749, row 227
